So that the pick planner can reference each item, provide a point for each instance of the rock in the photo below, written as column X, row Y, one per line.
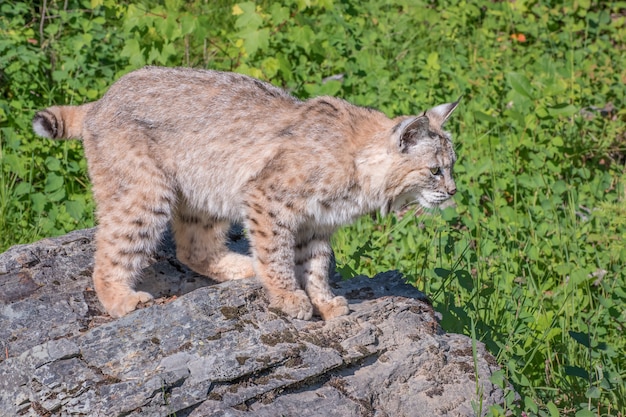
column 203, row 349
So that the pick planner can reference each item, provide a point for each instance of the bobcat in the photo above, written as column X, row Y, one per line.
column 205, row 148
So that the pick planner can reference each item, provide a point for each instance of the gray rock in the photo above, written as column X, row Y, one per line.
column 202, row 349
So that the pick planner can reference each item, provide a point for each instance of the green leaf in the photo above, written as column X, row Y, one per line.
column 557, row 141
column 53, row 164
column 131, row 47
column 593, row 392
column 520, row 84
column 39, row 201
column 279, row 13
column 154, row 56
column 15, row 164
column 168, row 51
column 56, row 196
column 286, row 71
column 329, row 88
column 169, row 28
column 133, row 52
column 326, row 4
column 432, row 62
column 484, row 117
column 552, row 409
column 22, row 188
column 188, row 23
column 449, row 214
column 442, row 272
column 270, row 66
column 563, row 109
column 578, row 276
column 620, row 292
column 13, row 140
column 76, row 209
column 302, row 36
column 576, row 371
column 172, row 5
column 465, row 279
column 249, row 19
column 53, row 182
column 51, row 28
column 523, row 380
column 255, row 40
column 485, row 292
column 530, row 405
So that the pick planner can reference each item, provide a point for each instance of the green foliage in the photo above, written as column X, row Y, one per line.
column 530, row 259
column 532, row 254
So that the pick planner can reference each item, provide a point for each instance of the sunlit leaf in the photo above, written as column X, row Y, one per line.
column 520, row 84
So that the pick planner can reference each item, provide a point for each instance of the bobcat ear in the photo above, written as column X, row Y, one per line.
column 440, row 114
column 411, row 131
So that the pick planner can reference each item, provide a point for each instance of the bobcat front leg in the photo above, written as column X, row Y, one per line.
column 312, row 259
column 272, row 241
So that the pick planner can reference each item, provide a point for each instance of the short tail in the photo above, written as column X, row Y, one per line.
column 61, row 122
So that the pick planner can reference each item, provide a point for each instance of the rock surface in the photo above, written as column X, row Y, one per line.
column 218, row 350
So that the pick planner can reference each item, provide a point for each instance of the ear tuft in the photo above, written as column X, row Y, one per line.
column 440, row 114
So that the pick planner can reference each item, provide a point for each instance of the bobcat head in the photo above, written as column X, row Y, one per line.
column 424, row 160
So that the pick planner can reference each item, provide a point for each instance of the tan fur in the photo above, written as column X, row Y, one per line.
column 204, row 148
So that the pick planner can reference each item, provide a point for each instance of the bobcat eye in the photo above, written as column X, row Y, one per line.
column 435, row 171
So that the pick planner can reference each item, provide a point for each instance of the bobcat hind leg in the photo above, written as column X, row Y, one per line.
column 201, row 245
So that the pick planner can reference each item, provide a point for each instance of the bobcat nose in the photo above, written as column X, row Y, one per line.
column 451, row 186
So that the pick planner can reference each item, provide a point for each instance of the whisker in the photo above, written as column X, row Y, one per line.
column 413, row 205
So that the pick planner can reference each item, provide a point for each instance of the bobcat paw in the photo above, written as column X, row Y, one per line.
column 336, row 307
column 229, row 267
column 295, row 304
column 122, row 304
column 234, row 266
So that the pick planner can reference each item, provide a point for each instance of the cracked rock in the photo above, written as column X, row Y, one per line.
column 207, row 349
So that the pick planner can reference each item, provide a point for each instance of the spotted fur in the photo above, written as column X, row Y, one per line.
column 201, row 149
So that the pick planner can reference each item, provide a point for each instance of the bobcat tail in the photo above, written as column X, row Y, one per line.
column 61, row 122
